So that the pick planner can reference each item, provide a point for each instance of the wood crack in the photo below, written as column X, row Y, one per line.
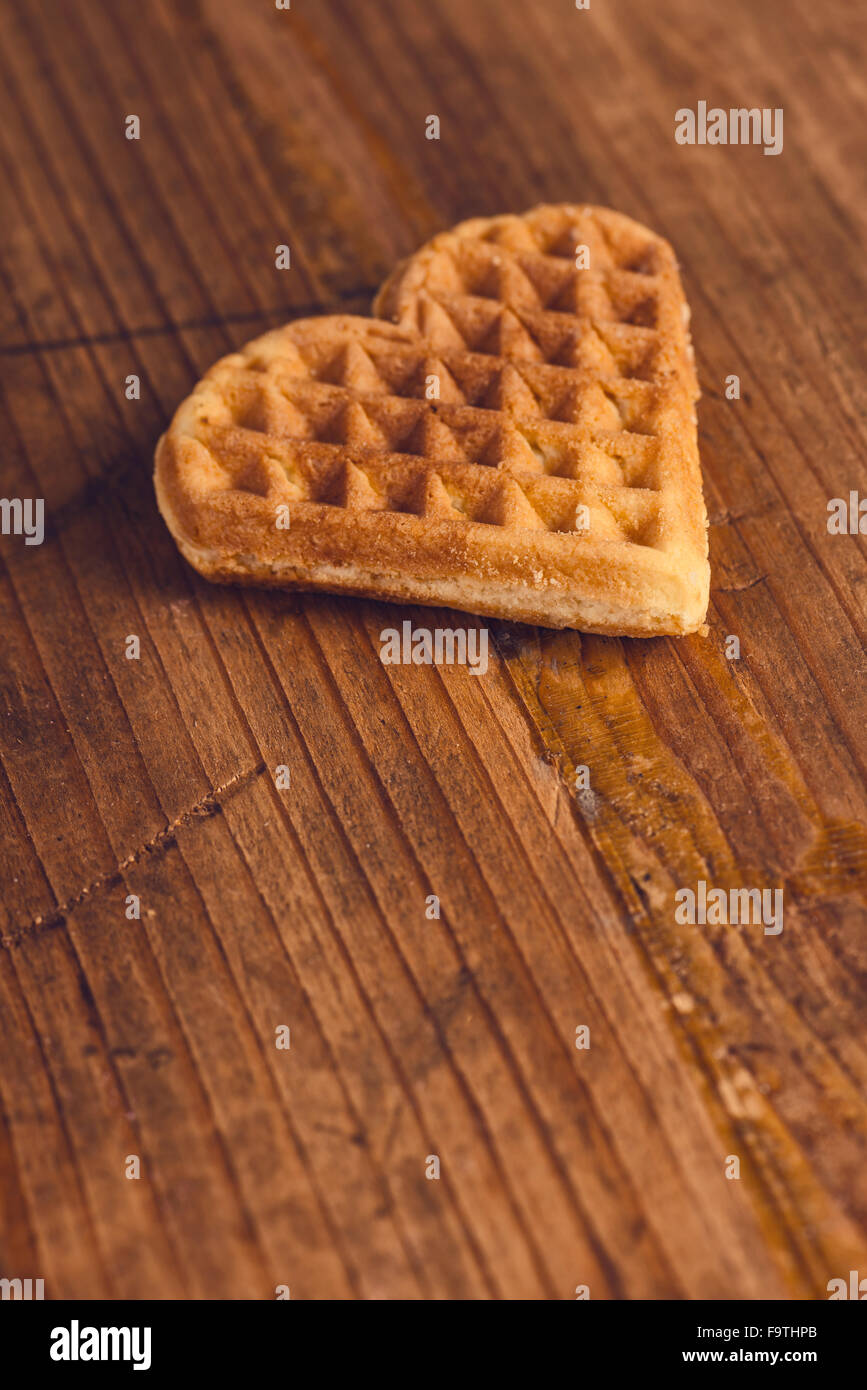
column 209, row 805
column 156, row 330
column 740, row 588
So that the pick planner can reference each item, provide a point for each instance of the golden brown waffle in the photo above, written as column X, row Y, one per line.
column 554, row 479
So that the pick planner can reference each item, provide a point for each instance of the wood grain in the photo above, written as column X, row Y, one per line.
column 306, row 907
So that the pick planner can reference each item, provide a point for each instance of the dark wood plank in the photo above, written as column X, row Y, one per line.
column 305, row 907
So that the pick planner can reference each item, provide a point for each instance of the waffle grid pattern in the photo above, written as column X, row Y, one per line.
column 521, row 444
column 550, row 374
column 513, row 433
column 579, row 287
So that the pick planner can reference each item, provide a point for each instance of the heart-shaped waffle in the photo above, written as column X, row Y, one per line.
column 521, row 443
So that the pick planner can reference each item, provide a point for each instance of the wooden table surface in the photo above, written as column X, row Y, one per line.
column 612, row 1166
